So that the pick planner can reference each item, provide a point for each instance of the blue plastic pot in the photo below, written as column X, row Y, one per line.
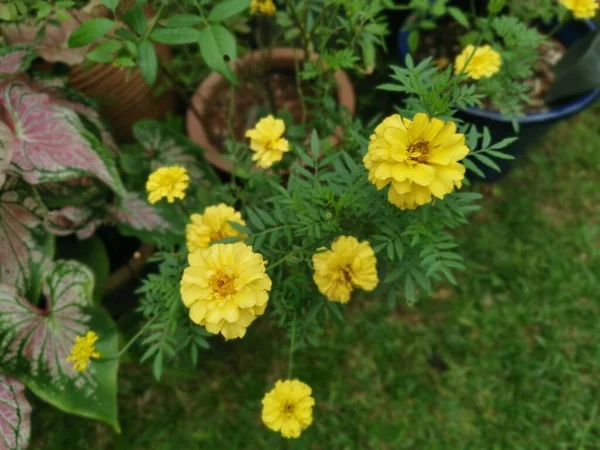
column 532, row 126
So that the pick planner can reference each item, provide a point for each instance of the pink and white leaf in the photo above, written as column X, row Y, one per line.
column 135, row 215
column 6, row 139
column 49, row 141
column 25, row 245
column 15, row 415
column 15, row 59
column 79, row 220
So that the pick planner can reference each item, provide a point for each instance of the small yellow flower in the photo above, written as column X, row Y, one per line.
column 484, row 63
column 582, row 9
column 83, row 350
column 167, row 182
column 288, row 408
column 211, row 226
column 267, row 141
column 348, row 265
column 264, row 7
column 418, row 158
column 225, row 288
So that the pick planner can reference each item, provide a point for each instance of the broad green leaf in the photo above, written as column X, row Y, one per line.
column 217, row 43
column 105, row 52
column 15, row 59
column 15, row 415
column 35, row 343
column 111, row 4
column 175, row 36
column 182, row 20
column 50, row 143
column 25, row 245
column 136, row 19
column 227, row 8
column 459, row 16
column 89, row 31
column 147, row 61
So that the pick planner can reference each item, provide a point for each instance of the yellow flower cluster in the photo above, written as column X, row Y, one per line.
column 267, row 142
column 225, row 288
column 264, row 7
column 83, row 351
column 477, row 63
column 212, row 225
column 418, row 158
column 582, row 9
column 167, row 182
column 348, row 265
column 287, row 408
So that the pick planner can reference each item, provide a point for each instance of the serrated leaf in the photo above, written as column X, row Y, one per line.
column 175, row 36
column 89, row 31
column 217, row 44
column 35, row 343
column 226, row 9
column 499, row 155
column 255, row 220
column 487, row 138
column 15, row 59
column 472, row 167
column 487, row 161
column 51, row 143
column 503, row 143
column 147, row 61
column 15, row 415
column 25, row 245
column 240, row 228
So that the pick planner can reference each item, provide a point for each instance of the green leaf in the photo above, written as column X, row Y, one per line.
column 413, row 41
column 315, row 145
column 136, row 19
column 240, row 228
column 472, row 167
column 39, row 359
column 147, row 61
column 182, row 20
column 111, row 4
column 228, row 8
column 105, row 52
column 89, row 31
column 368, row 54
column 459, row 16
column 488, row 162
column 175, row 36
column 216, row 42
column 499, row 155
column 255, row 219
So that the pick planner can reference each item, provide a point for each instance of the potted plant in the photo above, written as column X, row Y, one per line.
column 527, row 40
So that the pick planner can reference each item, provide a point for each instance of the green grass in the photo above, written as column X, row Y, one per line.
column 508, row 359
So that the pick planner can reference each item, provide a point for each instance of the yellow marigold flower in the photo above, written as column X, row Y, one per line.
column 417, row 158
column 348, row 265
column 264, row 7
column 212, row 225
column 288, row 408
column 225, row 287
column 267, row 141
column 582, row 9
column 83, row 350
column 167, row 182
column 484, row 63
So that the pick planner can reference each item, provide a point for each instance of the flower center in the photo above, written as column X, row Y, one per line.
column 288, row 408
column 346, row 274
column 217, row 236
column 418, row 151
column 222, row 284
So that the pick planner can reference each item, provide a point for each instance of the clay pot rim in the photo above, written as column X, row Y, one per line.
column 278, row 58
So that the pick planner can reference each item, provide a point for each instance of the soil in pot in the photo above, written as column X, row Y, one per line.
column 443, row 45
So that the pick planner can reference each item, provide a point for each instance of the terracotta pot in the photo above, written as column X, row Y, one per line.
column 283, row 59
column 129, row 271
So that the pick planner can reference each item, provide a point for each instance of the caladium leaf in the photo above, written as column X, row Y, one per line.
column 166, row 148
column 51, row 143
column 15, row 59
column 73, row 192
column 80, row 220
column 35, row 343
column 25, row 245
column 15, row 415
column 136, row 217
column 6, row 138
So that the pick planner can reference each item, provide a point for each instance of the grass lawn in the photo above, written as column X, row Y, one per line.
column 509, row 359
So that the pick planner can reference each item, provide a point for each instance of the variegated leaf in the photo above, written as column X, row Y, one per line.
column 25, row 245
column 15, row 415
column 6, row 138
column 73, row 192
column 80, row 220
column 50, row 142
column 167, row 148
column 136, row 217
column 35, row 343
column 15, row 59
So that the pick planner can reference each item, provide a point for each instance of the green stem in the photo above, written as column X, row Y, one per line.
column 292, row 343
column 131, row 341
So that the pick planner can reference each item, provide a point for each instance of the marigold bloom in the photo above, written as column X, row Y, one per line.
column 167, row 182
column 83, row 350
column 581, row 9
column 225, row 287
column 348, row 265
column 484, row 63
column 288, row 408
column 264, row 7
column 212, row 225
column 267, row 141
column 417, row 158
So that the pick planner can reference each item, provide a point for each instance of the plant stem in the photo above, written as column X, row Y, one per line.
column 292, row 343
column 131, row 341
